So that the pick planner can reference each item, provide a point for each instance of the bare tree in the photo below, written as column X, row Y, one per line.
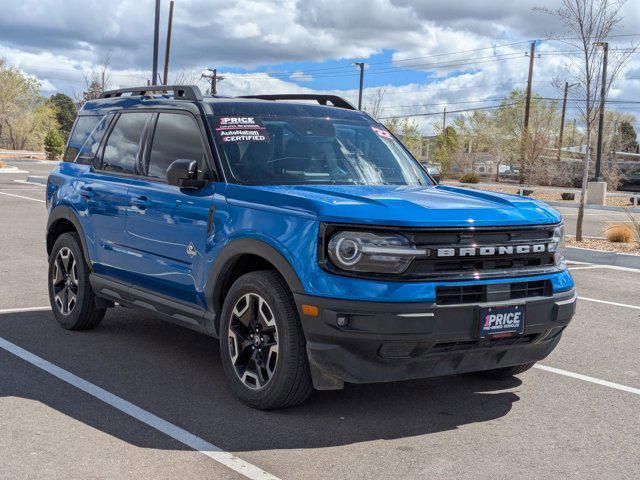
column 588, row 23
column 96, row 80
column 375, row 105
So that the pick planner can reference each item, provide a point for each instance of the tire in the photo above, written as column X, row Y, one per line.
column 68, row 270
column 506, row 372
column 268, row 369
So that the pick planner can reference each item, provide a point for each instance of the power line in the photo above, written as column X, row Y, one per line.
column 448, row 112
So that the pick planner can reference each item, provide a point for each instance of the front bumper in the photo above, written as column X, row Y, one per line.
column 384, row 342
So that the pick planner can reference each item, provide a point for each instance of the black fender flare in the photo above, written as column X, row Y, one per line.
column 63, row 212
column 226, row 259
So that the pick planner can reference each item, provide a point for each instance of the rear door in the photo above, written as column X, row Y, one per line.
column 167, row 226
column 105, row 188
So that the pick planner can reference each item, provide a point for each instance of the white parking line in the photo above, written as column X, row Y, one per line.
column 25, row 309
column 31, row 183
column 606, row 302
column 216, row 453
column 583, row 268
column 20, row 196
column 586, row 378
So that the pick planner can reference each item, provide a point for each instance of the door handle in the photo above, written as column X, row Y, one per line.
column 86, row 192
column 141, row 202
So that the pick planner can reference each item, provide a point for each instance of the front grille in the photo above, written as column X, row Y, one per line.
column 480, row 265
column 498, row 292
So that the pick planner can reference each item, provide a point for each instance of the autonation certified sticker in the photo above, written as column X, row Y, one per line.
column 241, row 129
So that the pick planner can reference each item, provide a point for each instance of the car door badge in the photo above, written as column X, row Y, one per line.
column 191, row 250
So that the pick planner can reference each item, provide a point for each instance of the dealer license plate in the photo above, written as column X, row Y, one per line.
column 501, row 321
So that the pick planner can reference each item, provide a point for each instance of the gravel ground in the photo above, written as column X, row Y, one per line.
column 600, row 244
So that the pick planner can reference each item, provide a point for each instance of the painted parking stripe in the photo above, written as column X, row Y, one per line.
column 25, row 309
column 606, row 302
column 586, row 378
column 216, row 453
column 20, row 196
column 583, row 268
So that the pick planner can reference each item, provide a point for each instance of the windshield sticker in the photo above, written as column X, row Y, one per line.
column 382, row 133
column 242, row 129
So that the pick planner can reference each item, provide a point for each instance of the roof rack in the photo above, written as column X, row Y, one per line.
column 335, row 100
column 180, row 92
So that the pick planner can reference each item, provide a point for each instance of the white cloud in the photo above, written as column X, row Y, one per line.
column 300, row 76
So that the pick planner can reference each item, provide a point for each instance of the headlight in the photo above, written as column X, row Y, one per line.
column 371, row 252
column 558, row 244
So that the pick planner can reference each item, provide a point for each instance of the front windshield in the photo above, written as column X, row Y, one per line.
column 278, row 149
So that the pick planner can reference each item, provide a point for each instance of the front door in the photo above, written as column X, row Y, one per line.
column 167, row 226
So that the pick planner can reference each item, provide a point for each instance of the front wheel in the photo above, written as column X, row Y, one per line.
column 72, row 299
column 262, row 344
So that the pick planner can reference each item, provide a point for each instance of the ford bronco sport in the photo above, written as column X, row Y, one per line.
column 302, row 234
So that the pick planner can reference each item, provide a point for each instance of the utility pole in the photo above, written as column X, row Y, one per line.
column 573, row 133
column 156, row 28
column 527, row 109
column 564, row 110
column 603, row 94
column 361, row 65
column 167, row 49
column 444, row 119
column 214, row 78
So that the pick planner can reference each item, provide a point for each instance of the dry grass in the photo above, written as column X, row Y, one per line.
column 619, row 233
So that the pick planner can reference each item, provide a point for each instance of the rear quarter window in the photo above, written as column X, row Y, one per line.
column 82, row 128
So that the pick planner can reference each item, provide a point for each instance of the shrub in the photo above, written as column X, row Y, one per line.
column 1, row 164
column 619, row 233
column 526, row 193
column 568, row 196
column 470, row 177
column 635, row 225
column 53, row 144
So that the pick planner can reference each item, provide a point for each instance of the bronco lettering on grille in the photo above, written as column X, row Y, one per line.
column 494, row 250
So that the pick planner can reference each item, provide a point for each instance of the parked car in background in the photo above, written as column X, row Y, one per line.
column 434, row 170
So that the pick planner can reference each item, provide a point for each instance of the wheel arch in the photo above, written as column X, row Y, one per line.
column 63, row 219
column 243, row 256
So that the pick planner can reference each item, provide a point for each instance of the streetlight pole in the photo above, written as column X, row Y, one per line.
column 603, row 94
column 156, row 28
column 361, row 65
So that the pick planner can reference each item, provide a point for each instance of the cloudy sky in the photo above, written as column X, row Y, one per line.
column 426, row 54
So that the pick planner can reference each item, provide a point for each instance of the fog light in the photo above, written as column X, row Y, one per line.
column 342, row 321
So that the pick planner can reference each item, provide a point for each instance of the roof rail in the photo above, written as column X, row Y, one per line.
column 180, row 92
column 335, row 100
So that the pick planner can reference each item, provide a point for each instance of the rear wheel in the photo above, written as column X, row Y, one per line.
column 72, row 299
column 262, row 343
column 506, row 372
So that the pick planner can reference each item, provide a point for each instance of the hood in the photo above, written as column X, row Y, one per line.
column 395, row 205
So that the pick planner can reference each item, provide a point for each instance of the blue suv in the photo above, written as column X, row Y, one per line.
column 302, row 234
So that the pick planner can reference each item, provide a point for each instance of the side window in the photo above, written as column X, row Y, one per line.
column 90, row 147
column 177, row 136
column 81, row 130
column 123, row 145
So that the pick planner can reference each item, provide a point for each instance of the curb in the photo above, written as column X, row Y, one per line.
column 39, row 180
column 600, row 257
column 609, row 208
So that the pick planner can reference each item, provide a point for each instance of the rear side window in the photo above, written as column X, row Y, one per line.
column 122, row 149
column 81, row 130
column 90, row 147
column 176, row 136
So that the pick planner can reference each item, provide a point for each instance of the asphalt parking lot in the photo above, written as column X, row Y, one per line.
column 141, row 398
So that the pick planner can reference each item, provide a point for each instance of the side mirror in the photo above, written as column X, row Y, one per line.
column 183, row 173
